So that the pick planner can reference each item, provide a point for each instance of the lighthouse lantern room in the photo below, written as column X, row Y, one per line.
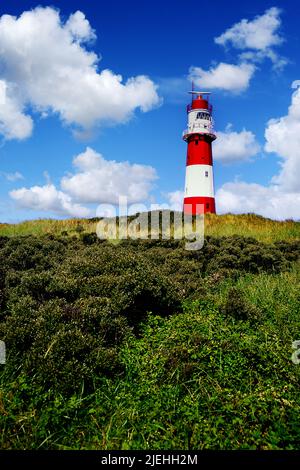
column 199, row 186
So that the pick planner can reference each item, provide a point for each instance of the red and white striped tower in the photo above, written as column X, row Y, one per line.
column 199, row 195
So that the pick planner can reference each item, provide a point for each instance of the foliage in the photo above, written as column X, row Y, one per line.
column 238, row 308
column 145, row 345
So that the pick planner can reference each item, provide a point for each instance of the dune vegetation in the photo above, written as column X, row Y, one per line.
column 146, row 345
column 247, row 225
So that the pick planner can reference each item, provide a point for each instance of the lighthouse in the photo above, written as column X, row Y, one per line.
column 199, row 195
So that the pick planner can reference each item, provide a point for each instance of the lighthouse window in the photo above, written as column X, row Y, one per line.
column 203, row 116
column 206, row 174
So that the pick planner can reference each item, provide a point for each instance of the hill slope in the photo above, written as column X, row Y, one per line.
column 248, row 225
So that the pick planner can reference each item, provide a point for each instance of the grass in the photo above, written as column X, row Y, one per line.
column 247, row 225
column 45, row 226
column 251, row 225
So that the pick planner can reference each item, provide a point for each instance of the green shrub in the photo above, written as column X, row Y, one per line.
column 64, row 345
column 237, row 307
column 89, row 238
column 244, row 254
column 144, row 344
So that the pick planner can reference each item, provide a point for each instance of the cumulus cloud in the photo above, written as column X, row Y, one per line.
column 46, row 64
column 257, row 37
column 14, row 124
column 232, row 146
column 229, row 77
column 268, row 201
column 281, row 198
column 48, row 198
column 80, row 28
column 175, row 200
column 102, row 181
column 256, row 41
column 283, row 138
column 260, row 33
column 95, row 181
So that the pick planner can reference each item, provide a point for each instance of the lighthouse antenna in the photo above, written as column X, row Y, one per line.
column 193, row 92
column 193, row 88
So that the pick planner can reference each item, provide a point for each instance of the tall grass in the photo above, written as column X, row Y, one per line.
column 251, row 225
column 248, row 225
column 46, row 226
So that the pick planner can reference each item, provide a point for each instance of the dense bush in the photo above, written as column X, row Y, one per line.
column 65, row 323
column 238, row 308
column 245, row 254
column 71, row 305
column 64, row 344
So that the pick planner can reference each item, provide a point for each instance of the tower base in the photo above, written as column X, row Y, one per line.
column 199, row 205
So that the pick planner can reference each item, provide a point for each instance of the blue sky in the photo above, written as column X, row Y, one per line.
column 68, row 128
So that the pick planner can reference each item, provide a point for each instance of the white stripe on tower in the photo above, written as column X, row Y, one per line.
column 199, row 176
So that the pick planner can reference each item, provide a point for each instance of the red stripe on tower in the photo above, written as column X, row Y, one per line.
column 199, row 195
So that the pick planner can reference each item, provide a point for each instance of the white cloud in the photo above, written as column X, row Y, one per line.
column 2, row 92
column 278, row 61
column 260, row 33
column 229, row 77
column 14, row 124
column 283, row 137
column 232, row 146
column 47, row 65
column 48, row 198
column 295, row 84
column 102, row 181
column 268, row 201
column 96, row 181
column 280, row 199
column 175, row 200
column 257, row 38
column 80, row 28
column 12, row 176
